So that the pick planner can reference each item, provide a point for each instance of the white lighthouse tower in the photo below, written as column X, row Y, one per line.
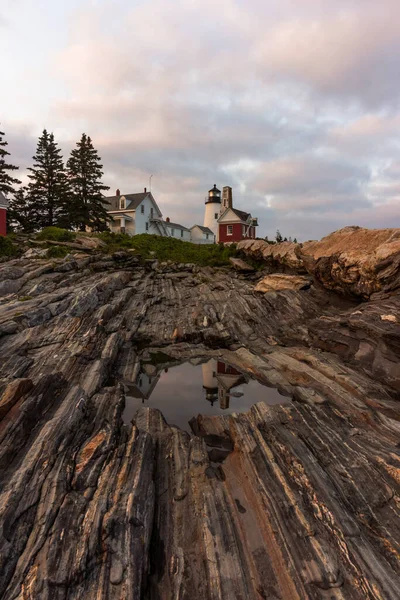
column 211, row 214
column 210, row 383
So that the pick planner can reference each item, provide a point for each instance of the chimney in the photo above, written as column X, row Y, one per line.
column 118, row 193
column 167, row 220
column 145, row 190
column 227, row 200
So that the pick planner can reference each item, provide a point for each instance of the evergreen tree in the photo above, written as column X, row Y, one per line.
column 21, row 215
column 48, row 188
column 278, row 237
column 6, row 181
column 85, row 171
column 295, row 241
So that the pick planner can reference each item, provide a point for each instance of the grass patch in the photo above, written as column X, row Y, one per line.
column 165, row 248
column 7, row 248
column 56, row 234
column 25, row 298
column 57, row 252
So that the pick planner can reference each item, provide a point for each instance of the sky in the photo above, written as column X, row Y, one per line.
column 293, row 103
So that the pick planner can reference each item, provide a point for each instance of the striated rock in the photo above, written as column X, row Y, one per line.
column 352, row 260
column 281, row 257
column 278, row 282
column 355, row 260
column 240, row 265
column 291, row 501
column 35, row 253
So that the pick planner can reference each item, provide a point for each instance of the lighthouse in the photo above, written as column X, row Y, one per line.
column 213, row 205
column 210, row 383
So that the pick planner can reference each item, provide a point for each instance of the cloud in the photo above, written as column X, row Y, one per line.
column 352, row 55
column 294, row 105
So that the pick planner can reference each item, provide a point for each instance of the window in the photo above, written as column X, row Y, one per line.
column 181, row 232
column 122, row 204
column 172, row 232
column 243, row 229
column 229, row 229
column 206, row 236
column 151, row 212
column 216, row 216
column 147, row 226
column 142, row 209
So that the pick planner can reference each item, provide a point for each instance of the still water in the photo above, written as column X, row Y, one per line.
column 184, row 391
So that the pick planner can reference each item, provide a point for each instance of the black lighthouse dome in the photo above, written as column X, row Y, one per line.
column 214, row 195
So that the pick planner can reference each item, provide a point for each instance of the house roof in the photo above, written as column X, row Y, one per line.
column 243, row 216
column 203, row 229
column 122, row 215
column 133, row 200
column 175, row 225
column 3, row 201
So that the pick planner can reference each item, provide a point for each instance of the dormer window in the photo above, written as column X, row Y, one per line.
column 122, row 203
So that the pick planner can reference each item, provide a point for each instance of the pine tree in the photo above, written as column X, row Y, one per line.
column 6, row 181
column 48, row 188
column 295, row 241
column 278, row 237
column 21, row 215
column 85, row 171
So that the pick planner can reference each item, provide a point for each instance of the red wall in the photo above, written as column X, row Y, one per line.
column 236, row 233
column 224, row 369
column 3, row 221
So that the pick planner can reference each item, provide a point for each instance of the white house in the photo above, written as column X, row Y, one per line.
column 134, row 214
column 177, row 231
column 139, row 213
column 202, row 235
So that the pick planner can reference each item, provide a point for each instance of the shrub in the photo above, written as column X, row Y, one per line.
column 166, row 248
column 56, row 234
column 7, row 248
column 57, row 252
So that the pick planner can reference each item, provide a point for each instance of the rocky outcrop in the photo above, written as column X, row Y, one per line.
column 279, row 282
column 355, row 260
column 352, row 260
column 305, row 503
column 281, row 257
column 240, row 265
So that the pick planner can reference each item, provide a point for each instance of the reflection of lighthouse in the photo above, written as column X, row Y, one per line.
column 229, row 379
column 210, row 383
column 211, row 214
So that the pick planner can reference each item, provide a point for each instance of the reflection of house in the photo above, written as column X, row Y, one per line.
column 219, row 379
column 3, row 214
column 228, row 379
column 143, row 386
column 220, row 382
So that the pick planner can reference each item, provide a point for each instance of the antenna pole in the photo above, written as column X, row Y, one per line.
column 150, row 182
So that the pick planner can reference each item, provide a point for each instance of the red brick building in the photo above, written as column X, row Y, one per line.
column 235, row 225
column 3, row 215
